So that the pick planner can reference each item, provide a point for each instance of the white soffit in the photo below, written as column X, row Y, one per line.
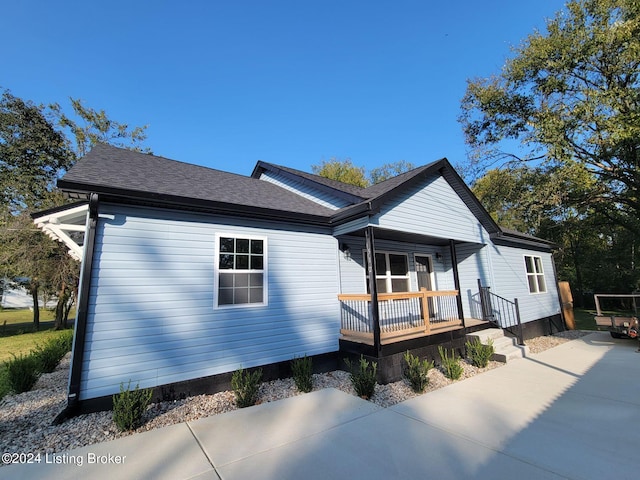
column 67, row 226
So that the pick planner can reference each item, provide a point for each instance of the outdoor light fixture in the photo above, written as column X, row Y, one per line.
column 344, row 248
column 438, row 257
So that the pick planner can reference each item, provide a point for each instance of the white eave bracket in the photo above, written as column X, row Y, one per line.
column 67, row 225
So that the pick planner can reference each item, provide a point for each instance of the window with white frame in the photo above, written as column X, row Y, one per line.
column 240, row 270
column 392, row 272
column 535, row 274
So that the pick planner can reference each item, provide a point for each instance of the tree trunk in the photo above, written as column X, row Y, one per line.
column 36, row 307
column 62, row 300
column 73, row 297
column 67, row 309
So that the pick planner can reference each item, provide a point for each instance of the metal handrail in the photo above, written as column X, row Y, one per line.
column 501, row 312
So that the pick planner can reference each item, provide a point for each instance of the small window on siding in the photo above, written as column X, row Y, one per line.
column 240, row 271
column 535, row 274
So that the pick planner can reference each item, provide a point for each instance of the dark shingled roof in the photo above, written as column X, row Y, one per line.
column 120, row 172
column 152, row 180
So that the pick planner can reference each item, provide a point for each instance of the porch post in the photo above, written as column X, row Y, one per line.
column 456, row 279
column 373, row 287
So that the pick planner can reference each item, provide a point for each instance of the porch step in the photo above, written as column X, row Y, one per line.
column 506, row 348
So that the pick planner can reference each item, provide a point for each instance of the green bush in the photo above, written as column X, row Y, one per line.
column 302, row 369
column 22, row 372
column 450, row 364
column 52, row 352
column 363, row 378
column 417, row 372
column 479, row 354
column 245, row 386
column 129, row 406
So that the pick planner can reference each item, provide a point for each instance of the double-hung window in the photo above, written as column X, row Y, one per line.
column 392, row 272
column 535, row 274
column 240, row 270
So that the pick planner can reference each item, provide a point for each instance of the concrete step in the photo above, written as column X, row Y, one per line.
column 506, row 348
column 510, row 353
column 486, row 334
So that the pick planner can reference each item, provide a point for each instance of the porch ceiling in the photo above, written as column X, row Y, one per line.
column 408, row 237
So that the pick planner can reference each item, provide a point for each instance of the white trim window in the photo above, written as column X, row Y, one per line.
column 240, row 270
column 392, row 271
column 535, row 274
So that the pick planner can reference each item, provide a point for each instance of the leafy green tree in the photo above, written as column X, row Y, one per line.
column 27, row 253
column 37, row 145
column 571, row 94
column 32, row 154
column 346, row 172
column 553, row 203
column 343, row 171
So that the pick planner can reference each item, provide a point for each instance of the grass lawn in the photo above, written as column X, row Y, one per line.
column 24, row 343
column 584, row 319
column 17, row 336
column 12, row 319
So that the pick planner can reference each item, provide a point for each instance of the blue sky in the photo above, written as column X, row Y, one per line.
column 227, row 83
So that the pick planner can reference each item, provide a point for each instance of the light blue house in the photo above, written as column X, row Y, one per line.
column 189, row 273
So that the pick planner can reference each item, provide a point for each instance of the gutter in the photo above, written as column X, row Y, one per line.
column 350, row 213
column 73, row 401
column 193, row 204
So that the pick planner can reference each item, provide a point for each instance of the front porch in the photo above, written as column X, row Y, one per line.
column 401, row 316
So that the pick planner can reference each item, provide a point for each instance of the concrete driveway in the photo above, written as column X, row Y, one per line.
column 570, row 412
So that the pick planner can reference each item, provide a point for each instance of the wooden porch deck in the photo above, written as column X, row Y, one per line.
column 387, row 338
column 402, row 316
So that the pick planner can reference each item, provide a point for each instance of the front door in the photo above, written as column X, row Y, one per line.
column 424, row 269
column 424, row 272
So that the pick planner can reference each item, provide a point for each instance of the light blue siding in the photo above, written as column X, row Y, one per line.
column 434, row 209
column 304, row 189
column 473, row 264
column 151, row 306
column 510, row 281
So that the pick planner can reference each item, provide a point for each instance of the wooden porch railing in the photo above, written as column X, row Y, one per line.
column 401, row 315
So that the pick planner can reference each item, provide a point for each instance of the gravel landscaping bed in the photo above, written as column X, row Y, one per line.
column 25, row 419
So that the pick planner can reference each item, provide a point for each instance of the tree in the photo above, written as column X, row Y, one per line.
column 28, row 254
column 389, row 170
column 346, row 172
column 343, row 171
column 553, row 203
column 94, row 126
column 37, row 145
column 32, row 154
column 570, row 95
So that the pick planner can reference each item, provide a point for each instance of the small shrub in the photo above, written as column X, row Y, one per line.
column 52, row 352
column 450, row 364
column 417, row 372
column 363, row 377
column 479, row 354
column 302, row 369
column 129, row 406
column 245, row 386
column 22, row 372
